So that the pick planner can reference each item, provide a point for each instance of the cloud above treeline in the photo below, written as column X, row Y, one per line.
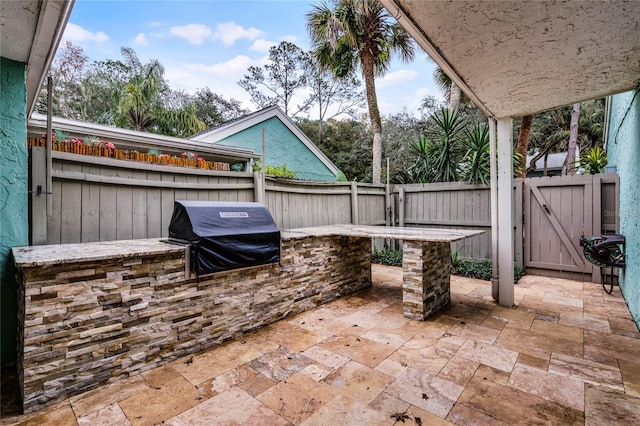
column 193, row 33
column 227, row 32
column 230, row 32
column 397, row 77
column 141, row 39
column 76, row 33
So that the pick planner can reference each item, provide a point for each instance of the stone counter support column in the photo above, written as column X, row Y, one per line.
column 426, row 267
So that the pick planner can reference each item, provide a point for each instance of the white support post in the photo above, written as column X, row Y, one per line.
column 505, row 214
column 493, row 167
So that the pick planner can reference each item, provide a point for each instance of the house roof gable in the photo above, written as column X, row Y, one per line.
column 232, row 127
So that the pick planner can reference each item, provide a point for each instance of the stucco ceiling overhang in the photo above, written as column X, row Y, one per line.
column 520, row 57
column 30, row 31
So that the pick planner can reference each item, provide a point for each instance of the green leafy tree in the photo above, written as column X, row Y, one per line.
column 279, row 80
column 146, row 102
column 67, row 71
column 346, row 142
column 331, row 96
column 551, row 130
column 399, row 131
column 213, row 109
column 139, row 102
column 359, row 34
column 101, row 85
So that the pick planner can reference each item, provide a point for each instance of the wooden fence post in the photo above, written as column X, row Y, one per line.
column 517, row 220
column 401, row 207
column 354, row 203
column 387, row 205
column 596, row 208
column 38, row 196
column 258, row 187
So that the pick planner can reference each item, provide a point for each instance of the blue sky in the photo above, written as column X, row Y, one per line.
column 212, row 43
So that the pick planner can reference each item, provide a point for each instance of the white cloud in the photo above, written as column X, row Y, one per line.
column 141, row 39
column 177, row 75
column 235, row 65
column 397, row 77
column 230, row 32
column 262, row 45
column 76, row 33
column 414, row 100
column 386, row 107
column 155, row 24
column 194, row 33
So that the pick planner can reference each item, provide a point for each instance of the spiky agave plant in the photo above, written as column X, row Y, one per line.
column 477, row 167
column 593, row 160
column 446, row 138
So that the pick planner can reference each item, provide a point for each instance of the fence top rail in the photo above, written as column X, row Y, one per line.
column 135, row 165
column 440, row 186
column 568, row 180
column 274, row 181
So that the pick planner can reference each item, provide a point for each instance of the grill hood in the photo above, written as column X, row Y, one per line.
column 225, row 235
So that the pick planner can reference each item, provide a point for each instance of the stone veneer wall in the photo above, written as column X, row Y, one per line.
column 426, row 278
column 85, row 324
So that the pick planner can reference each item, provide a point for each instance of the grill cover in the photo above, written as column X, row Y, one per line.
column 225, row 235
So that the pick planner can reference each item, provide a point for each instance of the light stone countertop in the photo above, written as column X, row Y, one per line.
column 57, row 254
column 411, row 234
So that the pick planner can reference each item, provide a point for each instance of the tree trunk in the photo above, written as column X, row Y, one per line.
column 454, row 97
column 522, row 146
column 374, row 115
column 568, row 167
column 546, row 157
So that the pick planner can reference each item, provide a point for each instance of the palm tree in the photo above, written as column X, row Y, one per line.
column 139, row 98
column 359, row 34
column 568, row 165
column 522, row 144
column 450, row 90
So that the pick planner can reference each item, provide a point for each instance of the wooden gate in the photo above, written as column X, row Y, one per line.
column 557, row 212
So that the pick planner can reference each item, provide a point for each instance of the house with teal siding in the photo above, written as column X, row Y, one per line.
column 623, row 152
column 284, row 143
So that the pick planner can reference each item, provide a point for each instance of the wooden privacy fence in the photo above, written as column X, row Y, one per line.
column 456, row 205
column 301, row 204
column 557, row 212
column 102, row 199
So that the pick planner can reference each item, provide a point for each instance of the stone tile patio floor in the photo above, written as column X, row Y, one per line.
column 568, row 354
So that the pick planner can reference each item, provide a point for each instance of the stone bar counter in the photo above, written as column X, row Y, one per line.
column 94, row 313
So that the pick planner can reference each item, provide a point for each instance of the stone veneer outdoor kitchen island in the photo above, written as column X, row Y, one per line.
column 93, row 313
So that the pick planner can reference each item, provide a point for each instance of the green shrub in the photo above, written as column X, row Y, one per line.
column 387, row 257
column 277, row 171
column 473, row 268
column 480, row 269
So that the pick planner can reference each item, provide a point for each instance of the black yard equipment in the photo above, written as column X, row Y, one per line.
column 225, row 235
column 605, row 251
